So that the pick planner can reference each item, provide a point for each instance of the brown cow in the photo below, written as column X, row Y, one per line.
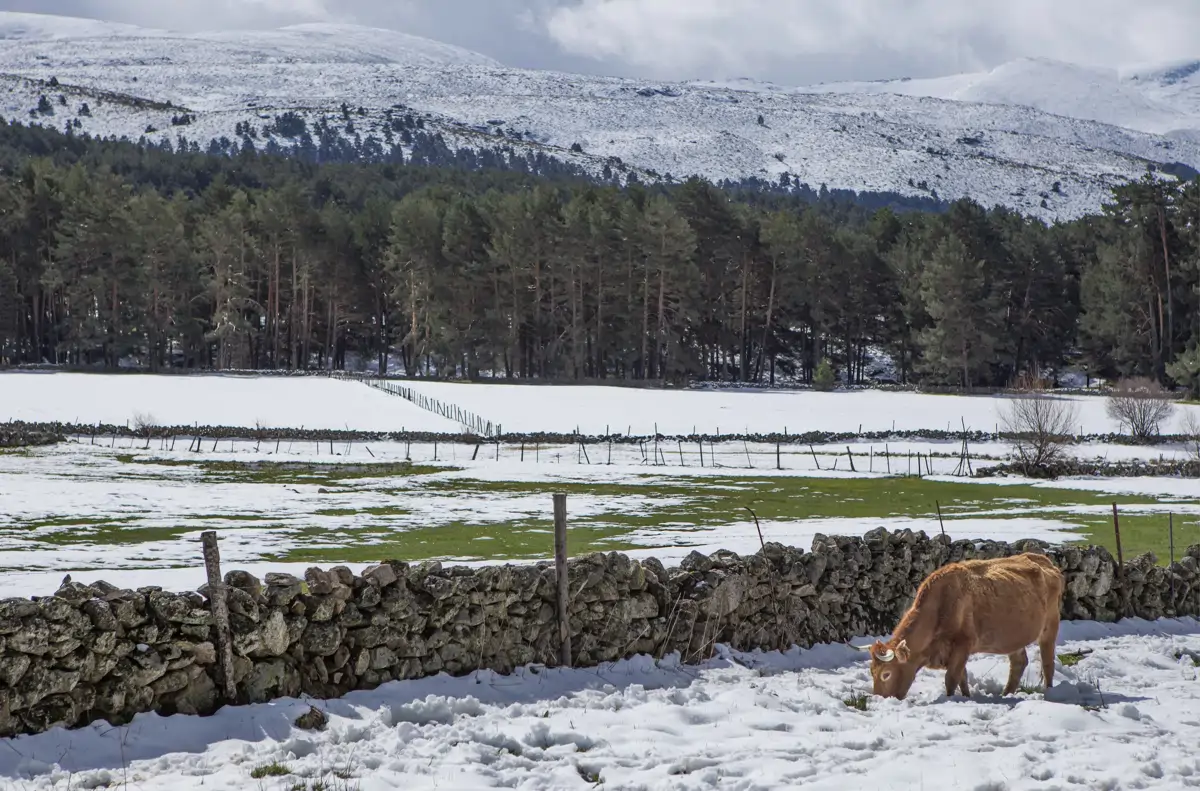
column 973, row 607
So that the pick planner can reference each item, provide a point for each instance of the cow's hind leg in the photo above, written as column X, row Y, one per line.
column 1017, row 662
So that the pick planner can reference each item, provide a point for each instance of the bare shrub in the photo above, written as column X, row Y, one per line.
column 1040, row 425
column 143, row 422
column 1190, row 428
column 1140, row 405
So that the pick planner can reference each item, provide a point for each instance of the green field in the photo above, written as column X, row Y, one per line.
column 327, row 513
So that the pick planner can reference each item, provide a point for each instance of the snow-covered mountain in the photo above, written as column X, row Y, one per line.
column 1104, row 95
column 1010, row 137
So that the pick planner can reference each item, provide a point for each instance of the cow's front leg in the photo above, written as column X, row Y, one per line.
column 956, row 670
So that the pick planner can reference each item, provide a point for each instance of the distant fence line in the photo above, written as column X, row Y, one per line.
column 469, row 420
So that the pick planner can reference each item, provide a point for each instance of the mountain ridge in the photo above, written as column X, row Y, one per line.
column 356, row 82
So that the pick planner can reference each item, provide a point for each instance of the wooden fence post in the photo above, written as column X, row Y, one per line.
column 1120, row 564
column 560, row 567
column 220, row 611
column 1171, row 538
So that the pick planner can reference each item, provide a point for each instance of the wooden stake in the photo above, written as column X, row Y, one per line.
column 940, row 522
column 220, row 611
column 560, row 567
column 1171, row 538
column 814, row 455
column 850, row 456
column 778, row 460
column 1120, row 563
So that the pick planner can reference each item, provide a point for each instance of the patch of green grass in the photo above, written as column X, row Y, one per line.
column 312, row 473
column 274, row 769
column 710, row 502
column 515, row 540
column 858, row 700
column 1073, row 658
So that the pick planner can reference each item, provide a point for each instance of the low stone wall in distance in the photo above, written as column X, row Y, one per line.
column 94, row 652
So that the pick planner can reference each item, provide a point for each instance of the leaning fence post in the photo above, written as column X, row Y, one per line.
column 560, row 568
column 220, row 611
column 1120, row 564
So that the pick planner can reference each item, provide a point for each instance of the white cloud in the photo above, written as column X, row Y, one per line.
column 684, row 38
column 208, row 14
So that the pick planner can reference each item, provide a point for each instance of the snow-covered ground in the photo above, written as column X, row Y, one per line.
column 135, row 510
column 621, row 410
column 1148, row 98
column 321, row 403
column 210, row 400
column 135, row 513
column 1122, row 718
column 917, row 145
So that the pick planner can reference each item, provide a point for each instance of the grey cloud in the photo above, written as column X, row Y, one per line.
column 788, row 41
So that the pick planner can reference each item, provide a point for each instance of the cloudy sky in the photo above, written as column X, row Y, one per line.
column 789, row 41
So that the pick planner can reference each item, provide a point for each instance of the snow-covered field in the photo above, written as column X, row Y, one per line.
column 321, row 403
column 210, row 400
column 1123, row 718
column 1010, row 154
column 136, row 508
column 595, row 410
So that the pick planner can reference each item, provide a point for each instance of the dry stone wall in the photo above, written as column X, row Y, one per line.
column 95, row 651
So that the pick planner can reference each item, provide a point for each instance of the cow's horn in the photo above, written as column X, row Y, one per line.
column 887, row 656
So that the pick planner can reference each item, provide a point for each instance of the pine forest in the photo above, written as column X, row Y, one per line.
column 114, row 253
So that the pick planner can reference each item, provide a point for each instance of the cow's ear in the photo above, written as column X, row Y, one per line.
column 902, row 650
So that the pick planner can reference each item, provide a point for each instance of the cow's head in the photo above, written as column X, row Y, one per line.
column 892, row 672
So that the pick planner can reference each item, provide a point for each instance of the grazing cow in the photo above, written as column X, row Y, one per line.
column 973, row 607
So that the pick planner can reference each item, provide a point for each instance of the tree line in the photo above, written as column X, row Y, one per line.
column 116, row 252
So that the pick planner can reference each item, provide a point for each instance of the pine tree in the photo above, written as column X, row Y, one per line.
column 966, row 317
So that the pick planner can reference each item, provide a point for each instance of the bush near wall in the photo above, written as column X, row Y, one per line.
column 93, row 652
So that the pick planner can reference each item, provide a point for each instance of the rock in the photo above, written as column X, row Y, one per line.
column 77, row 593
column 312, row 720
column 198, row 697
column 382, row 658
column 101, row 615
column 266, row 681
column 177, row 609
column 321, row 583
column 205, row 653
column 323, row 639
column 369, row 597
column 728, row 596
column 15, row 609
column 56, row 610
column 13, row 667
column 319, row 608
column 40, row 682
column 241, row 602
column 282, row 589
column 380, row 576
column 269, row 640
column 245, row 582
column 438, row 587
column 58, row 711
column 34, row 638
